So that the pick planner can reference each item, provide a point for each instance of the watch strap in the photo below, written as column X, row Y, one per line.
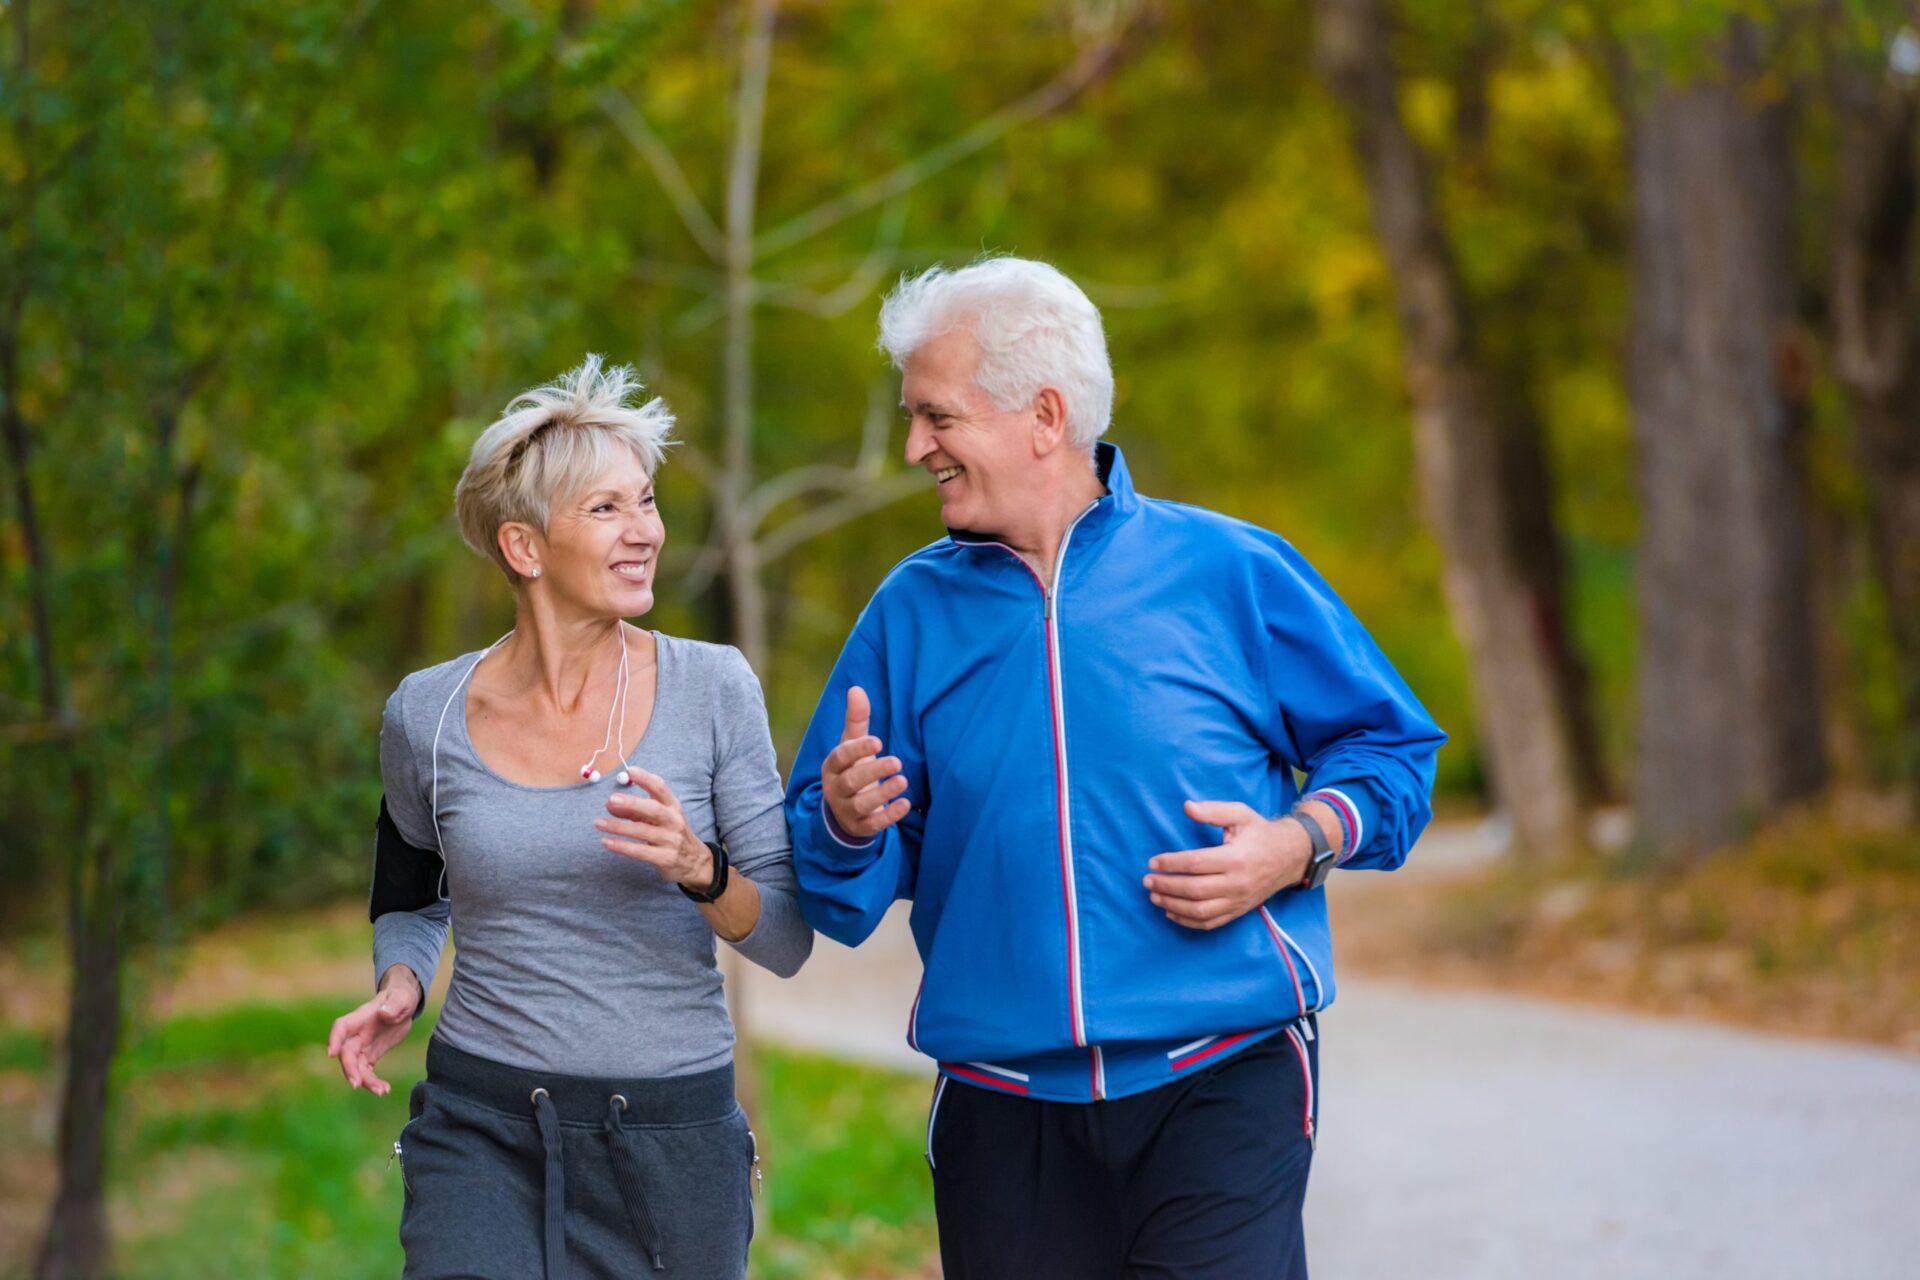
column 713, row 891
column 1321, row 860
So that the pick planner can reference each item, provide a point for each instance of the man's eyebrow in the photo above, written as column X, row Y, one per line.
column 928, row 406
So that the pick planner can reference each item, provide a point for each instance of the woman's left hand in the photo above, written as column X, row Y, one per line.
column 653, row 828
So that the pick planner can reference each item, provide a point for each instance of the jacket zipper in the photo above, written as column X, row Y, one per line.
column 1056, row 692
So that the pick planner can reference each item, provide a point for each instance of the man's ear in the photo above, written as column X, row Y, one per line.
column 1049, row 421
column 522, row 546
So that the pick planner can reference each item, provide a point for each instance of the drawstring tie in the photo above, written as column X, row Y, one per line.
column 626, row 1172
column 556, row 1197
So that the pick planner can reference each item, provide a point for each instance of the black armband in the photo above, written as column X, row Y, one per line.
column 405, row 878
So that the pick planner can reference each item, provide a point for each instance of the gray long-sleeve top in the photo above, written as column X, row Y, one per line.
column 574, row 959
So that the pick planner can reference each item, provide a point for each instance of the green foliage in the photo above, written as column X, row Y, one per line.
column 282, row 262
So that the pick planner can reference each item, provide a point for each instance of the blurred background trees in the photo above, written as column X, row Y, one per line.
column 1574, row 342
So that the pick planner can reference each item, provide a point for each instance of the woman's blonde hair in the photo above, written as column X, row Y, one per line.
column 553, row 441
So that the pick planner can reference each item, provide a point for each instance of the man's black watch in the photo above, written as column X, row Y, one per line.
column 1322, row 859
column 719, row 886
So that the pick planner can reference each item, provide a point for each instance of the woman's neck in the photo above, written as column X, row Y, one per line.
column 558, row 658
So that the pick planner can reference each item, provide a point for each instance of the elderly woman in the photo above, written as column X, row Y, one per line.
column 591, row 805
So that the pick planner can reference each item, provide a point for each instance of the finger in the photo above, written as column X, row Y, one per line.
column 1195, row 862
column 1208, row 914
column 654, row 785
column 850, row 753
column 350, row 1060
column 1193, row 888
column 335, row 1036
column 880, row 821
column 656, row 853
column 859, row 713
column 871, row 800
column 1221, row 813
column 641, row 829
column 346, row 1064
column 640, row 808
column 868, row 772
column 375, row 1085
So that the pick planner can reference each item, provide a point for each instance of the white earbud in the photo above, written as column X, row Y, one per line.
column 624, row 778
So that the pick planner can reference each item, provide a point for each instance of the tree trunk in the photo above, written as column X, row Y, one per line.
column 1876, row 316
column 77, row 1243
column 1729, row 713
column 1483, row 476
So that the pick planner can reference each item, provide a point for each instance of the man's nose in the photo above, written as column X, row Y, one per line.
column 919, row 442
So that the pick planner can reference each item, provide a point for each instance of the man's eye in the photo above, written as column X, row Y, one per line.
column 647, row 501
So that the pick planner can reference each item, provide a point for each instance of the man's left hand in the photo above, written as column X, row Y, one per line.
column 1206, row 888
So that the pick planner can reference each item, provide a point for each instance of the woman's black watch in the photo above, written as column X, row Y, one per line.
column 719, row 886
column 1320, row 863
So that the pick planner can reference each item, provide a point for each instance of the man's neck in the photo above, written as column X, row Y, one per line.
column 1039, row 543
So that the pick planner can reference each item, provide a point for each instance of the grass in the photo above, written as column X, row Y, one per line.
column 238, row 1151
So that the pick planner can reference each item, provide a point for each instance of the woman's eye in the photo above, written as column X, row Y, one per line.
column 605, row 506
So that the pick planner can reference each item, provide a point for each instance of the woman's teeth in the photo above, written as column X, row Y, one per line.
column 631, row 570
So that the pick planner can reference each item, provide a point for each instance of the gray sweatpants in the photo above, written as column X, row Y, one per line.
column 514, row 1174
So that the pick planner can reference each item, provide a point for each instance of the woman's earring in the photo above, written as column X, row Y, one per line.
column 536, row 573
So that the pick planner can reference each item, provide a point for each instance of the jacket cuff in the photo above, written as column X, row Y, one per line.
column 824, row 824
column 1356, row 811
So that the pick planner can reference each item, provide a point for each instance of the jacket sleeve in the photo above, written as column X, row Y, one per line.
column 1344, row 717
column 846, row 885
column 409, row 916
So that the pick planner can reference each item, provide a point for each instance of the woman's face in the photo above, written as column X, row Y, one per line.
column 603, row 544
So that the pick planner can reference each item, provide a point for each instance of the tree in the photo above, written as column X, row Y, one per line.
column 1483, row 471
column 1874, row 86
column 1729, row 715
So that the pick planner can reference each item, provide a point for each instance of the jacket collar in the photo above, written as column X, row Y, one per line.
column 1116, row 504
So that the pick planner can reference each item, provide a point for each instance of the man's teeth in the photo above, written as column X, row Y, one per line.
column 947, row 473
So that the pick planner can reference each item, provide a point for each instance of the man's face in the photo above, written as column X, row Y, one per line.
column 982, row 457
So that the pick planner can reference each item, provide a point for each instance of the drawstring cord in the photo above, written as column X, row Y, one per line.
column 626, row 1172
column 556, row 1197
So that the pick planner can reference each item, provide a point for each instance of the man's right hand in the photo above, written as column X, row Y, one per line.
column 862, row 787
column 362, row 1037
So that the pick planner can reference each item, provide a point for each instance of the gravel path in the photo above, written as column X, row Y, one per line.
column 1498, row 1137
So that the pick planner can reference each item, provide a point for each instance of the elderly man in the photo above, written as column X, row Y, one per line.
column 1069, row 731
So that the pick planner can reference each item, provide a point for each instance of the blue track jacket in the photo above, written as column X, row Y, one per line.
column 1049, row 741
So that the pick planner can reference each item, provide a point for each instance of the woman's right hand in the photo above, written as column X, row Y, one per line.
column 362, row 1037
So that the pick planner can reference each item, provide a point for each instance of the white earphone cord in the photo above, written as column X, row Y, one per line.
column 620, row 686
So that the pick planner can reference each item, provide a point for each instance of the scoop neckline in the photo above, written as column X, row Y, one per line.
column 660, row 684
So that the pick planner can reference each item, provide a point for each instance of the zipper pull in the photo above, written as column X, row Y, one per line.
column 759, row 1179
column 1046, row 606
column 1313, row 1135
column 394, row 1155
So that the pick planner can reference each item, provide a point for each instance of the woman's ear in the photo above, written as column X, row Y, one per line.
column 1049, row 421
column 523, row 548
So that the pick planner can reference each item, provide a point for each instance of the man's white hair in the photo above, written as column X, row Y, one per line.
column 1034, row 326
column 552, row 442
